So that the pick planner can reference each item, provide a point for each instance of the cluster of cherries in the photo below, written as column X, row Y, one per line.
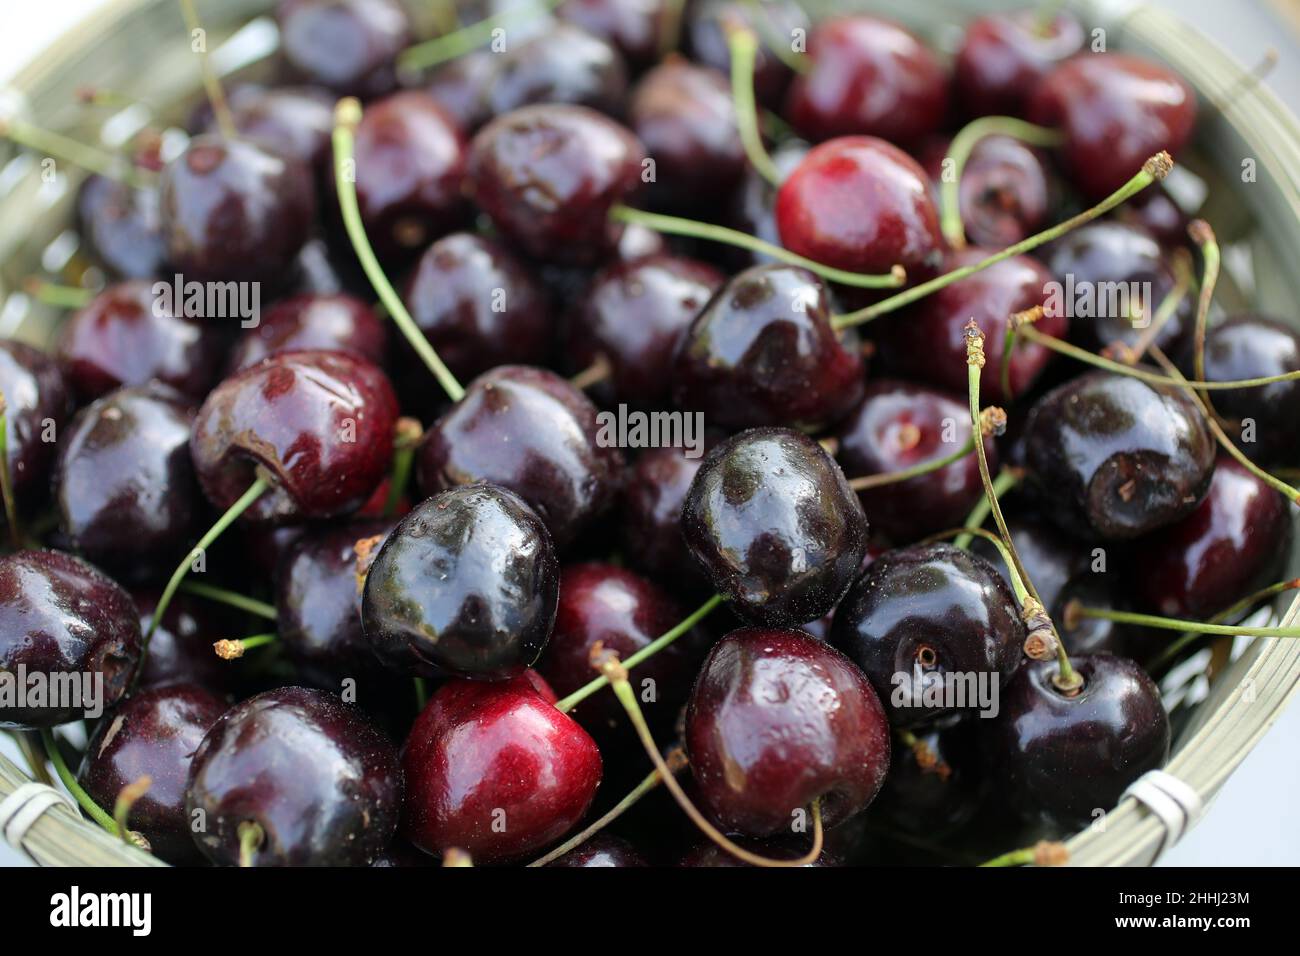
column 472, row 571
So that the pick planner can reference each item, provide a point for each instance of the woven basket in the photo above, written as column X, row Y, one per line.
column 137, row 47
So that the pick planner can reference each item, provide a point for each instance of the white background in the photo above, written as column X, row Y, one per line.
column 1254, row 820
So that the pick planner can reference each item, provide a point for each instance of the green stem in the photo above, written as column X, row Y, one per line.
column 347, row 115
column 74, row 153
column 670, row 26
column 1155, row 168
column 1174, row 624
column 93, row 810
column 1245, row 604
column 211, row 82
column 407, row 438
column 232, row 650
column 6, row 480
column 251, row 837
column 744, row 48
column 780, row 46
column 677, row 226
column 421, row 56
column 221, row 595
column 1165, row 312
column 654, row 647
column 968, row 532
column 1203, row 236
column 421, row 693
column 58, row 296
column 1045, row 853
column 867, row 482
column 959, row 153
column 1004, row 482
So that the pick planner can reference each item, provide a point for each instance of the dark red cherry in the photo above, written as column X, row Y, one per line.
column 1059, row 759
column 632, row 316
column 234, row 212
column 37, row 403
column 1110, row 275
column 934, row 790
column 129, row 334
column 293, row 121
column 461, row 88
column 635, row 27
column 410, row 160
column 763, row 352
column 1115, row 457
column 465, row 585
column 1233, row 543
column 898, row 426
column 180, row 650
column 773, row 521
column 334, row 323
column 495, row 770
column 868, row 76
column 861, row 204
column 1007, row 191
column 928, row 341
column 547, row 177
column 153, row 734
column 1155, row 210
column 319, row 423
column 777, row 720
column 66, row 620
column 684, row 115
column 923, row 617
column 479, row 306
column 122, row 227
column 1261, row 420
column 347, row 46
column 600, row 851
column 126, row 491
column 623, row 612
column 319, row 779
column 566, row 64
column 651, row 516
column 528, row 430
column 708, row 20
column 1005, row 56
column 1116, row 111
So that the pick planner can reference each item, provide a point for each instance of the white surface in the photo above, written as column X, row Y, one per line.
column 1253, row 821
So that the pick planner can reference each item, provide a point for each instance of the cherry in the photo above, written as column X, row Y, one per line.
column 763, row 352
column 1109, row 254
column 777, row 720
column 868, row 76
column 566, row 64
column 1058, row 759
column 62, row 616
column 773, row 521
column 126, row 491
column 233, row 211
column 1004, row 57
column 1007, row 190
column 897, row 426
column 461, row 88
column 465, row 585
column 920, row 615
column 861, row 204
column 496, row 770
column 153, row 734
column 1250, row 346
column 478, row 305
column 294, row 777
column 547, row 177
column 410, row 159
column 1156, row 211
column 1115, row 111
column 335, row 323
column 623, row 612
column 348, row 46
column 37, row 402
column 1232, row 543
column 651, row 516
column 128, row 335
column 635, row 27
column 319, row 423
column 927, row 341
column 292, row 121
column 1117, row 457
column 122, row 226
column 530, row 431
column 706, row 26
column 936, row 785
column 1094, row 635
column 180, row 650
column 684, row 115
column 600, row 851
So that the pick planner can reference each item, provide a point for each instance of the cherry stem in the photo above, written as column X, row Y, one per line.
column 1007, row 479
column 229, row 650
column 126, row 799
column 675, row 762
column 211, row 82
column 80, row 155
column 1045, row 853
column 780, row 46
column 1154, row 169
column 6, row 480
column 1245, row 604
column 455, row 856
column 677, row 226
column 616, row 674
column 444, row 16
column 221, row 595
column 93, row 810
column 58, row 296
column 421, row 56
column 407, row 435
column 670, row 27
column 347, row 114
column 593, row 374
column 421, row 693
column 654, row 647
column 968, row 532
column 1174, row 624
column 251, row 835
column 255, row 491
column 1164, row 312
column 1200, row 232
column 26, row 740
column 744, row 48
column 959, row 152
column 867, row 482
